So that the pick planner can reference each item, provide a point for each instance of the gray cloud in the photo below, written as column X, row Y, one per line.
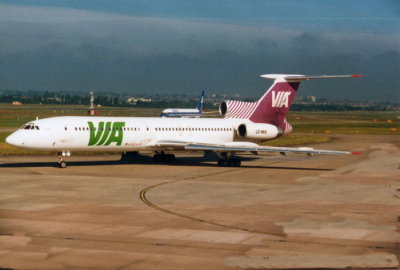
column 66, row 49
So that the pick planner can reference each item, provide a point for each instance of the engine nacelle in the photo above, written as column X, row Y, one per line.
column 223, row 108
column 261, row 132
column 236, row 109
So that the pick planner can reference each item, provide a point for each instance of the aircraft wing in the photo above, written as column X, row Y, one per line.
column 243, row 147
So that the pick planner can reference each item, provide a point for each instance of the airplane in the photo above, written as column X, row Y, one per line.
column 245, row 124
column 197, row 112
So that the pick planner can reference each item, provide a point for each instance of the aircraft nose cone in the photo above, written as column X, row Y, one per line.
column 12, row 139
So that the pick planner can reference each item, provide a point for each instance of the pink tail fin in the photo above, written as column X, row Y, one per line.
column 273, row 107
column 275, row 104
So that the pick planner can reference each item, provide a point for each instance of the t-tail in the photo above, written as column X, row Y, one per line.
column 273, row 106
column 201, row 102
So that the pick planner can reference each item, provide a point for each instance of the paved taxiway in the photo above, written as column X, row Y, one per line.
column 274, row 212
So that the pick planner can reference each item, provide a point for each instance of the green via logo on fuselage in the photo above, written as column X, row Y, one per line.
column 106, row 133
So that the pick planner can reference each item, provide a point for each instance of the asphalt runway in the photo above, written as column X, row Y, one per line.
column 274, row 212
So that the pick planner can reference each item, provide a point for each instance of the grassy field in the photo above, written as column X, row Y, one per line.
column 298, row 139
column 346, row 122
column 309, row 127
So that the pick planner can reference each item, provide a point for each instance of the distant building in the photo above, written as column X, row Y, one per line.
column 312, row 98
column 57, row 99
column 16, row 103
column 298, row 98
column 134, row 100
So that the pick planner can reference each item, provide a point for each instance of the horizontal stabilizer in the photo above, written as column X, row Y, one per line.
column 299, row 78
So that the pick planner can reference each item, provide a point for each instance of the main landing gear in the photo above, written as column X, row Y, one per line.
column 162, row 157
column 61, row 162
column 233, row 162
column 129, row 156
column 228, row 160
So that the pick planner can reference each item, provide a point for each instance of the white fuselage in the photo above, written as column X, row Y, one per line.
column 75, row 133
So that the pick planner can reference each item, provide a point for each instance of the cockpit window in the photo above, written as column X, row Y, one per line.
column 27, row 126
column 30, row 126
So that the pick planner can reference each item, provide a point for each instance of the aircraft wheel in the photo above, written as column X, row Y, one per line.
column 229, row 162
column 236, row 162
column 157, row 158
column 62, row 164
column 124, row 157
column 170, row 157
column 220, row 162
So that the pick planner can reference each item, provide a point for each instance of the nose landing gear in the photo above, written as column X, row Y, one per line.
column 61, row 162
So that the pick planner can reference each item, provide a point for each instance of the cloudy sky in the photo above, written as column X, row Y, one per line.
column 142, row 46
